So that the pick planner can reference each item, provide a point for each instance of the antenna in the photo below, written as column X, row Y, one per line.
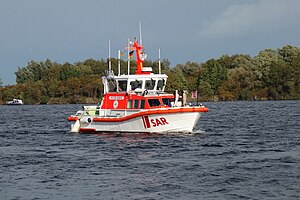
column 119, row 62
column 109, row 61
column 140, row 26
column 159, row 65
column 128, row 61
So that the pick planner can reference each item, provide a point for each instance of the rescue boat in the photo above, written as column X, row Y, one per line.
column 137, row 103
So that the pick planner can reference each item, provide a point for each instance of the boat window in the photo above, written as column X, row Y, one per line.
column 160, row 84
column 153, row 102
column 129, row 104
column 136, row 84
column 136, row 104
column 122, row 86
column 112, row 86
column 139, row 84
column 142, row 106
column 167, row 101
column 149, row 85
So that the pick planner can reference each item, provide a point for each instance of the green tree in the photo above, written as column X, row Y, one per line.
column 97, row 66
column 176, row 80
column 33, row 93
column 9, row 93
column 191, row 72
column 234, row 61
column 289, row 53
column 238, row 86
column 214, row 74
column 281, row 84
column 295, row 64
column 206, row 92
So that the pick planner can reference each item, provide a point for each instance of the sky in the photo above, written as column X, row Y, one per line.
column 189, row 30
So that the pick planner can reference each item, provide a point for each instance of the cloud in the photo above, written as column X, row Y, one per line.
column 263, row 16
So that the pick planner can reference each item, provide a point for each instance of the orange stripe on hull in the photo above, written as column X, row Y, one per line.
column 71, row 118
column 150, row 112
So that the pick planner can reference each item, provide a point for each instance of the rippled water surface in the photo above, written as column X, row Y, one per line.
column 241, row 150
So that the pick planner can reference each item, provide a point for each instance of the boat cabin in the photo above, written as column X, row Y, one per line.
column 135, row 92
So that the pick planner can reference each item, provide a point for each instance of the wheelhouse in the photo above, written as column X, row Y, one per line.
column 137, row 83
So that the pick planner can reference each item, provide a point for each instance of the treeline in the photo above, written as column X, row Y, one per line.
column 271, row 75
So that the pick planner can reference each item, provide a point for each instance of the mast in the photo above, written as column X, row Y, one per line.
column 139, row 61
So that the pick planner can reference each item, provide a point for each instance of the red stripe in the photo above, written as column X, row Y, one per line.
column 87, row 129
column 143, row 118
column 147, row 122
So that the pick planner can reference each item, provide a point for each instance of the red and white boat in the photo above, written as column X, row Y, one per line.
column 137, row 103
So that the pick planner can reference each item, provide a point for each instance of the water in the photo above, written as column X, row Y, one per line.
column 241, row 150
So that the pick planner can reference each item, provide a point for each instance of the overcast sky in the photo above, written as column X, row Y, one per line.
column 184, row 30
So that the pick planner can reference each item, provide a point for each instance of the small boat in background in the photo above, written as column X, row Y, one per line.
column 15, row 102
